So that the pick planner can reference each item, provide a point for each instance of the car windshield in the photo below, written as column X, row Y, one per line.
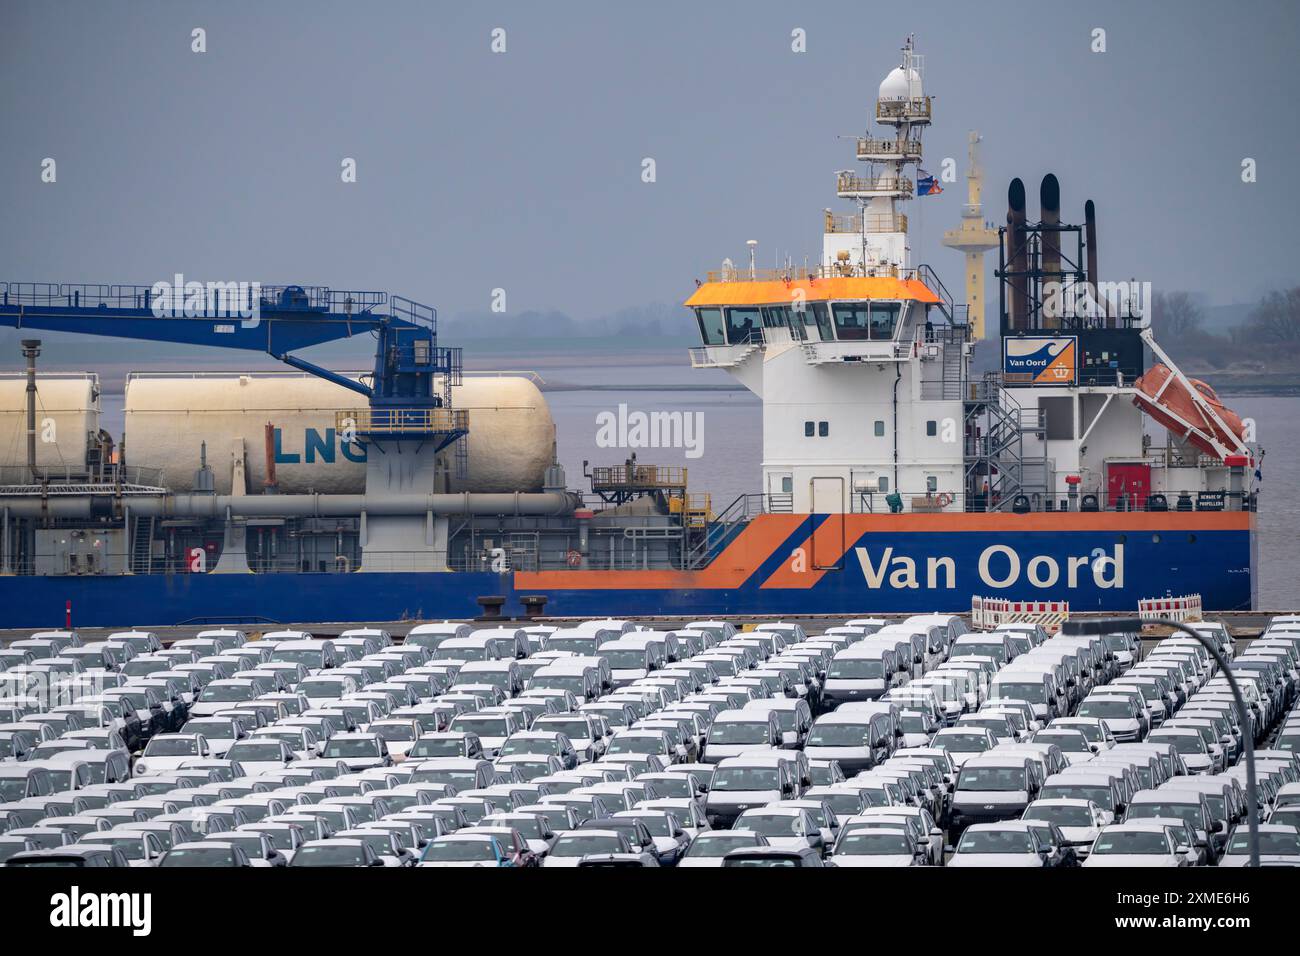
column 745, row 778
column 1272, row 843
column 439, row 747
column 625, row 659
column 528, row 745
column 741, row 732
column 255, row 751
column 839, row 735
column 460, row 851
column 636, row 745
column 856, row 668
column 1116, row 642
column 874, row 843
column 1189, row 813
column 1132, row 841
column 1035, row 693
column 483, row 726
column 311, row 656
column 351, row 748
column 1065, row 816
column 1068, row 741
column 962, row 743
column 1097, row 793
column 580, row 844
column 132, row 847
column 915, row 724
column 222, row 693
column 199, row 856
column 657, row 824
column 335, row 855
column 172, row 747
column 991, row 778
column 770, row 824
column 714, row 845
column 996, row 841
column 994, row 650
column 392, row 732
column 212, row 729
column 1183, row 743
column 1112, row 708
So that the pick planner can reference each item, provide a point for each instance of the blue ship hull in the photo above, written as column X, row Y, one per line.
column 779, row 565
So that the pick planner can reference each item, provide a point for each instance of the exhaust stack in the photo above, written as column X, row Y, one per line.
column 1049, row 201
column 1016, row 255
column 1090, row 237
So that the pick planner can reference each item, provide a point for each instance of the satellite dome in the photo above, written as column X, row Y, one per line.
column 897, row 87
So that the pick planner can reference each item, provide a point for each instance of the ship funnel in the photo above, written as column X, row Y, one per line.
column 1090, row 237
column 1016, row 254
column 1049, row 202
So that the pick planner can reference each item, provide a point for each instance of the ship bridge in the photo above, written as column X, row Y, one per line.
column 831, row 318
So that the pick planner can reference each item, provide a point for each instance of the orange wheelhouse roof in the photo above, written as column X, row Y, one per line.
column 814, row 290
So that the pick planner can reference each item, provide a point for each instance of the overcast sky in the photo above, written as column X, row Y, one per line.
column 522, row 170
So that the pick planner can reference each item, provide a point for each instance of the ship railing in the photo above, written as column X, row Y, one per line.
column 232, row 296
column 875, row 146
column 57, row 476
column 851, row 183
column 918, row 107
column 873, row 223
column 801, row 273
column 401, row 421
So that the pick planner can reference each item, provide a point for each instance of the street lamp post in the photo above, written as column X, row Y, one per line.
column 1113, row 625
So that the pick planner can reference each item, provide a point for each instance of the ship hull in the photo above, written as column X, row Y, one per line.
column 777, row 565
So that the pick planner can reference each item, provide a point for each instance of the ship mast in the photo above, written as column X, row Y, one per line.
column 874, row 241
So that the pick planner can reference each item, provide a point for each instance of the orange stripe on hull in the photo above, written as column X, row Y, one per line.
column 730, row 569
column 765, row 533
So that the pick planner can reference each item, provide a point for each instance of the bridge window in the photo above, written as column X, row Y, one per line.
column 744, row 325
column 823, row 429
column 884, row 317
column 931, row 428
column 807, row 429
column 712, row 331
column 852, row 321
column 820, row 314
column 880, row 429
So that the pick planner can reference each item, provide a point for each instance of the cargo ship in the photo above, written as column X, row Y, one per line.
column 893, row 478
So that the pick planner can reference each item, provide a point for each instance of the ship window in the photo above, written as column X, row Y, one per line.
column 880, row 429
column 931, row 428
column 711, row 328
column 884, row 484
column 822, row 314
column 931, row 484
column 852, row 321
column 823, row 429
column 787, row 484
column 744, row 325
column 807, row 429
column 884, row 316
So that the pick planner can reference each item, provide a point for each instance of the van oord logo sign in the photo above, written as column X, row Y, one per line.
column 1040, row 360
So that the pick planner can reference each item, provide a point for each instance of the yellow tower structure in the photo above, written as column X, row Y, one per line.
column 975, row 237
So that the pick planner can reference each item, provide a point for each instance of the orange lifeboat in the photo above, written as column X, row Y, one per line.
column 1163, row 396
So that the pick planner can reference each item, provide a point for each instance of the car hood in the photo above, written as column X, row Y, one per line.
column 873, row 860
column 1017, row 860
column 1129, row 859
column 733, row 798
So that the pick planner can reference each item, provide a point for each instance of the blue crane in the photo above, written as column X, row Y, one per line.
column 409, row 392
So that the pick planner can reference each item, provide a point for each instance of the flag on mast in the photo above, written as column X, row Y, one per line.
column 927, row 185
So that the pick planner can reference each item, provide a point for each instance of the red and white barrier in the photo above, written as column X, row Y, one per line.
column 987, row 613
column 1180, row 609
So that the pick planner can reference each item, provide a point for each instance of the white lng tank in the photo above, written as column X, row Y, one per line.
column 168, row 416
column 67, row 414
